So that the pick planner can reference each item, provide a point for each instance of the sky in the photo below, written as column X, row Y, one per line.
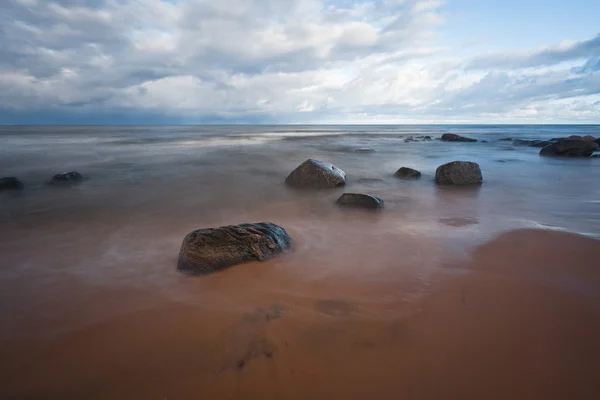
column 299, row 61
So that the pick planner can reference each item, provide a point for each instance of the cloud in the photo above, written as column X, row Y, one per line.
column 567, row 51
column 271, row 61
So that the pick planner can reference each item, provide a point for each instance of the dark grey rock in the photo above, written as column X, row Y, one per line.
column 11, row 183
column 450, row 137
column 407, row 173
column 67, row 177
column 508, row 139
column 360, row 201
column 316, row 175
column 569, row 148
column 459, row 173
column 364, row 150
column 205, row 251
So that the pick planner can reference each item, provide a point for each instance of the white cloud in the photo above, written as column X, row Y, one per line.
column 285, row 61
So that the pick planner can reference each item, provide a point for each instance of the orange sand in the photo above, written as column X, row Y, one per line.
column 521, row 321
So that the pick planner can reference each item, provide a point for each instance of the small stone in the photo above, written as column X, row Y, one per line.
column 67, row 177
column 11, row 183
column 407, row 173
column 450, row 137
column 360, row 201
column 459, row 173
column 569, row 148
column 316, row 174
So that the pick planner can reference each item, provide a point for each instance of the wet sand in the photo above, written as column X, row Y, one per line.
column 519, row 320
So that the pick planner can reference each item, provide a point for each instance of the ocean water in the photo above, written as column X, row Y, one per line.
column 78, row 255
column 146, row 187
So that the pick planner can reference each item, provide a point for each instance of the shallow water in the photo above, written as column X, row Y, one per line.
column 73, row 257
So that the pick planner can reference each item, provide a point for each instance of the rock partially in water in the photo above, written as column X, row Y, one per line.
column 451, row 137
column 459, row 173
column 316, row 174
column 205, row 251
column 407, row 173
column 531, row 143
column 364, row 150
column 589, row 138
column 418, row 139
column 66, row 177
column 508, row 139
column 575, row 137
column 569, row 148
column 359, row 200
column 11, row 183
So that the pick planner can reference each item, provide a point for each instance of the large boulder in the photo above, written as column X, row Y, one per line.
column 451, row 137
column 589, row 138
column 458, row 173
column 407, row 173
column 205, row 251
column 11, row 183
column 358, row 200
column 569, row 148
column 316, row 175
column 66, row 177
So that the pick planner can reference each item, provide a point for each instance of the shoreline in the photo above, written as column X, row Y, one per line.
column 519, row 320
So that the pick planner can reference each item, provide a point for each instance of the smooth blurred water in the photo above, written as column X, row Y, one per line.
column 147, row 187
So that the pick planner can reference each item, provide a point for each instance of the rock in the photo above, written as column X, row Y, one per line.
column 589, row 138
column 317, row 175
column 205, row 251
column 575, row 137
column 418, row 139
column 359, row 201
column 508, row 139
column 407, row 173
column 450, row 137
column 11, row 183
column 531, row 143
column 67, row 177
column 569, row 148
column 458, row 173
column 364, row 150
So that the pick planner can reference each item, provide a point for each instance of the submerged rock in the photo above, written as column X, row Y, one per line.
column 67, row 177
column 450, row 137
column 418, row 139
column 11, row 183
column 316, row 175
column 459, row 173
column 360, row 201
column 569, row 148
column 531, row 143
column 508, row 139
column 205, row 251
column 407, row 173
column 364, row 150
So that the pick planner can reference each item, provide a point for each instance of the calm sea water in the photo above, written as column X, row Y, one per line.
column 147, row 187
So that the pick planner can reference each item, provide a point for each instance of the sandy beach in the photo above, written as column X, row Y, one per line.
column 520, row 320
